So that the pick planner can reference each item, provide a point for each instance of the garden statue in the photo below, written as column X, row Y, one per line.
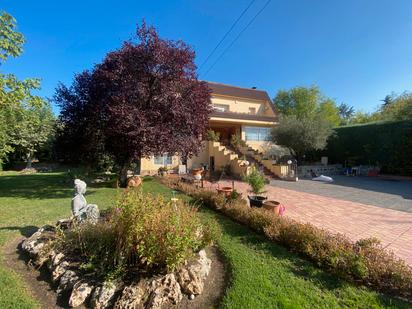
column 80, row 209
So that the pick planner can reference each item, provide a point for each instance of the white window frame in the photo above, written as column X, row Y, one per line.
column 263, row 134
column 165, row 159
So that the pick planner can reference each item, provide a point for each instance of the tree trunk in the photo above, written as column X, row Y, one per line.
column 123, row 174
column 29, row 159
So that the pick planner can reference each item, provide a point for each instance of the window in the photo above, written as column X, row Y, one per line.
column 257, row 134
column 221, row 107
column 252, row 110
column 163, row 160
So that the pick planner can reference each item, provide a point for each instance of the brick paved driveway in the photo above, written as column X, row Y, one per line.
column 354, row 219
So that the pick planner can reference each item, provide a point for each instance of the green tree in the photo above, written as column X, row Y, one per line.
column 301, row 135
column 306, row 103
column 15, row 95
column 346, row 112
column 399, row 108
column 33, row 128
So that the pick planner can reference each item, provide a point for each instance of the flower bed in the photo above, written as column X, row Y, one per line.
column 146, row 252
column 364, row 262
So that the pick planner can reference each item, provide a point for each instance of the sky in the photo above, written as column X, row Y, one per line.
column 356, row 51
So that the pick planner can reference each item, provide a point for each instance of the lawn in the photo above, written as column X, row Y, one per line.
column 263, row 275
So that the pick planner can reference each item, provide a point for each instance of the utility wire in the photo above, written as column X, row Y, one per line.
column 237, row 37
column 226, row 34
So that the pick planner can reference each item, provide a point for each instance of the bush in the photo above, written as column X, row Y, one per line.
column 363, row 262
column 212, row 136
column 236, row 141
column 142, row 232
column 256, row 181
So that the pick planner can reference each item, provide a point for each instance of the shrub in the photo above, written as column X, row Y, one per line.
column 212, row 136
column 363, row 262
column 236, row 141
column 142, row 232
column 256, row 181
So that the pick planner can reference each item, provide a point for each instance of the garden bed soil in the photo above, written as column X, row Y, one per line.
column 39, row 286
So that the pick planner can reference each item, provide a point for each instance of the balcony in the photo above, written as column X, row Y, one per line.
column 242, row 116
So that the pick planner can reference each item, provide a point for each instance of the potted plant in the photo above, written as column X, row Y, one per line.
column 257, row 182
column 162, row 171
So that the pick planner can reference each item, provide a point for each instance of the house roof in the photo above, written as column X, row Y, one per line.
column 239, row 92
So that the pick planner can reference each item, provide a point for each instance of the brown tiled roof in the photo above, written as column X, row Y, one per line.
column 238, row 92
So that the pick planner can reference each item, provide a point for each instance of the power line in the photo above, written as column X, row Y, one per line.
column 237, row 37
column 226, row 34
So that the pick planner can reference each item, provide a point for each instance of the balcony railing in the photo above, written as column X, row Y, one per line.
column 243, row 116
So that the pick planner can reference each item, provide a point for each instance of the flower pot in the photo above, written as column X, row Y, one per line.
column 272, row 206
column 256, row 200
column 227, row 191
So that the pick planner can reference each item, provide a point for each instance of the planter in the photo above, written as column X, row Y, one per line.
column 272, row 206
column 227, row 191
column 197, row 173
column 256, row 200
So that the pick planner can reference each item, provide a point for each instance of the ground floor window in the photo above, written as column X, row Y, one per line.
column 257, row 134
column 165, row 159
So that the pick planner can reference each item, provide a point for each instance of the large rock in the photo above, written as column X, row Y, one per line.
column 60, row 270
column 133, row 296
column 164, row 292
column 104, row 294
column 67, row 281
column 156, row 293
column 81, row 291
column 192, row 277
column 55, row 258
column 35, row 245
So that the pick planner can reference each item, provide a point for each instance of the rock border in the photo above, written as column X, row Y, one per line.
column 162, row 291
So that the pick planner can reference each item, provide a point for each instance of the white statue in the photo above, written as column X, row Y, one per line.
column 80, row 209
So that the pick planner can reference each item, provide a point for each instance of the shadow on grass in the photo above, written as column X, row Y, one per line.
column 25, row 231
column 291, row 261
column 37, row 186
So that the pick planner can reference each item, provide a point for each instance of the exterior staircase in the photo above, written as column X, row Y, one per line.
column 269, row 169
column 224, row 157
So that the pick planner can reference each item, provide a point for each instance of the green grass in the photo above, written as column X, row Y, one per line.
column 263, row 275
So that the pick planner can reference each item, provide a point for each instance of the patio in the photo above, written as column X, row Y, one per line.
column 354, row 219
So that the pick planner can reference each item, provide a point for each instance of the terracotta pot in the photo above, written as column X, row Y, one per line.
column 197, row 171
column 273, row 206
column 227, row 191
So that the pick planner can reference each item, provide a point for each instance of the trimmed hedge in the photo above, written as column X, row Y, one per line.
column 386, row 144
column 364, row 262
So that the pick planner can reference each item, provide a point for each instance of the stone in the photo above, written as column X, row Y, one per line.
column 59, row 270
column 64, row 224
column 81, row 291
column 164, row 292
column 191, row 297
column 36, row 244
column 133, row 296
column 67, row 281
column 134, row 181
column 80, row 209
column 192, row 276
column 104, row 294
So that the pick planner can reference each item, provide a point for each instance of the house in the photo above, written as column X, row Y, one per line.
column 246, row 112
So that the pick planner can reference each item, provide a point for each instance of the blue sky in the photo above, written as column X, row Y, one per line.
column 356, row 51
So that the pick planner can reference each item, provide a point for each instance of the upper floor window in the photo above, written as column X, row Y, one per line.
column 163, row 160
column 257, row 134
column 252, row 110
column 221, row 107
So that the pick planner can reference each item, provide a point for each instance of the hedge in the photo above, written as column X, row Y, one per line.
column 386, row 144
column 363, row 262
